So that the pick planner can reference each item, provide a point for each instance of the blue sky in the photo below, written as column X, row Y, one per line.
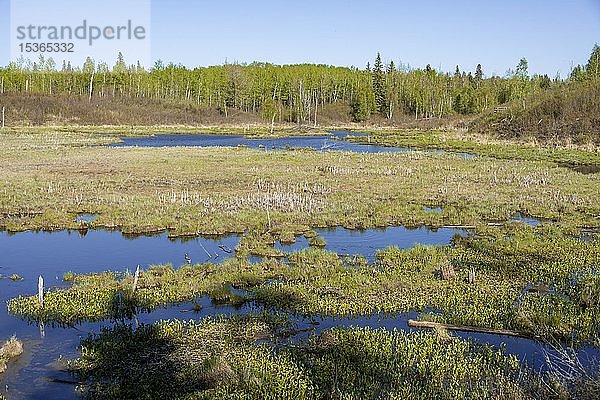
column 553, row 35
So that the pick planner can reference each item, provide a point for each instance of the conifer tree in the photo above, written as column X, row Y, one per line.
column 478, row 72
column 120, row 66
column 379, row 85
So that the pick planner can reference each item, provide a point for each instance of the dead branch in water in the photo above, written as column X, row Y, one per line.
column 465, row 328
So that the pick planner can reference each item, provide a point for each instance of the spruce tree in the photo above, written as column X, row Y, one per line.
column 577, row 74
column 478, row 72
column 120, row 66
column 379, row 85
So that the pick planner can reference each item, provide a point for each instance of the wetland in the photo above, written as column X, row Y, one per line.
column 290, row 267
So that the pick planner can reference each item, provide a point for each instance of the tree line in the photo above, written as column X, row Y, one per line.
column 293, row 93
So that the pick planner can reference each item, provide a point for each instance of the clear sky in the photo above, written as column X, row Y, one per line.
column 552, row 34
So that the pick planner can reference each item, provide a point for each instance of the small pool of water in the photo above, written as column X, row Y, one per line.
column 319, row 143
column 364, row 243
column 85, row 218
column 531, row 221
column 588, row 235
column 583, row 169
column 335, row 141
column 52, row 254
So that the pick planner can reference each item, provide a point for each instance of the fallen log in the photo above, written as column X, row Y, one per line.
column 64, row 381
column 465, row 328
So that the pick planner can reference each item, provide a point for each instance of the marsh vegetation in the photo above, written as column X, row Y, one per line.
column 525, row 259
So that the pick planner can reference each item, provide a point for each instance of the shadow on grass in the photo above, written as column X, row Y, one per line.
column 143, row 363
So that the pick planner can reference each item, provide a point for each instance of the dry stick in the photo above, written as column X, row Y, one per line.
column 207, row 253
column 91, row 86
column 64, row 381
column 42, row 329
column 472, row 275
column 41, row 301
column 136, row 277
column 41, row 291
column 465, row 328
column 273, row 123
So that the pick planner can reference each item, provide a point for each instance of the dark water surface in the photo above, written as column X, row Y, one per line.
column 30, row 254
column 365, row 243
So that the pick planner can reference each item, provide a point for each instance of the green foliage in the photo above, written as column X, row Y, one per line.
column 219, row 358
column 478, row 72
column 88, row 66
column 589, row 71
column 544, row 82
column 379, row 85
column 522, row 69
column 464, row 102
column 361, row 108
column 378, row 364
column 593, row 65
column 577, row 74
column 290, row 93
column 120, row 67
column 565, row 113
column 214, row 358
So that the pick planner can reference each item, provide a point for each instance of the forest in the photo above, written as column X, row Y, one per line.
column 309, row 94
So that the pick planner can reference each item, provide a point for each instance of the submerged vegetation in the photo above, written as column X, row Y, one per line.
column 11, row 349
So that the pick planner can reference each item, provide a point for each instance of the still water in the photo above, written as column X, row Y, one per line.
column 30, row 254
